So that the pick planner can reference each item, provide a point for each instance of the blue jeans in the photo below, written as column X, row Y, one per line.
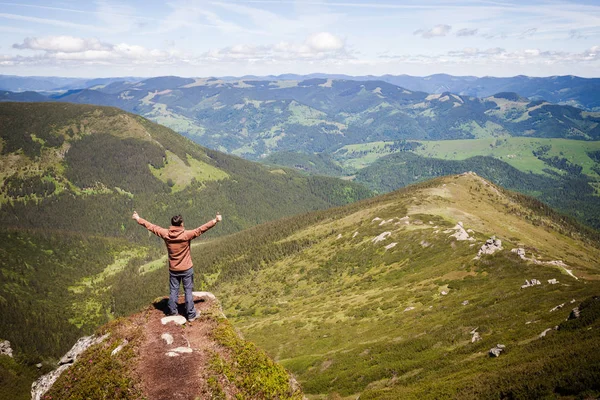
column 175, row 279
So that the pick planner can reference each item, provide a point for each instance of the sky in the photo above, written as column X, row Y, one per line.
column 201, row 38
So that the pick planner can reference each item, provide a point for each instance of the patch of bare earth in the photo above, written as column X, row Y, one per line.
column 184, row 375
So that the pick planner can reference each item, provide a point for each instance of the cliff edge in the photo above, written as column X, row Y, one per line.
column 148, row 355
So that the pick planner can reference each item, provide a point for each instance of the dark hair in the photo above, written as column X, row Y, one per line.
column 177, row 220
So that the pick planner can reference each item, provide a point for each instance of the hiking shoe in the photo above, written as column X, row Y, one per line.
column 195, row 317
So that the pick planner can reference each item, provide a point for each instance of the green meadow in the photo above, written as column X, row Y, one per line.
column 516, row 151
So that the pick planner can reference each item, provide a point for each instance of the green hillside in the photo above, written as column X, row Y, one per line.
column 570, row 192
column 71, row 176
column 380, row 298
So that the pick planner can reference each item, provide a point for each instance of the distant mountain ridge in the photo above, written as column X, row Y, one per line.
column 254, row 118
column 566, row 89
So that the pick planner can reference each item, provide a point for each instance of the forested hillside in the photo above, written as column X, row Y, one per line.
column 71, row 177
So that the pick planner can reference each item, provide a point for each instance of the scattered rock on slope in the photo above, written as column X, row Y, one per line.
column 496, row 351
column 5, row 349
column 490, row 246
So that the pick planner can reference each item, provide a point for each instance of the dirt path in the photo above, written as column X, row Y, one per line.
column 178, row 370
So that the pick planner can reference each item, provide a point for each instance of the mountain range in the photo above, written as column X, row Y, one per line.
column 568, row 90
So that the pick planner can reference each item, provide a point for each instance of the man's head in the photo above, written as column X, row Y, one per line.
column 177, row 220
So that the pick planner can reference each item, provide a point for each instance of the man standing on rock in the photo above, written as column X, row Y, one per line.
column 181, row 268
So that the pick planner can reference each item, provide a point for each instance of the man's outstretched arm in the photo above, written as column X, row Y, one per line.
column 157, row 230
column 201, row 229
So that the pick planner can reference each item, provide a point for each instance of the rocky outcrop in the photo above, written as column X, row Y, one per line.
column 5, row 349
column 43, row 384
column 381, row 237
column 460, row 233
column 533, row 282
column 490, row 246
column 557, row 263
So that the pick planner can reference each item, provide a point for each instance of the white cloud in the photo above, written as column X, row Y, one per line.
column 501, row 57
column 69, row 49
column 318, row 46
column 438, row 30
column 324, row 41
column 66, row 44
column 467, row 32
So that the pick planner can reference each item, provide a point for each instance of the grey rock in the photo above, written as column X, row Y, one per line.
column 119, row 347
column 490, row 246
column 543, row 334
column 176, row 319
column 496, row 351
column 45, row 382
column 574, row 313
column 79, row 347
column 5, row 349
column 208, row 295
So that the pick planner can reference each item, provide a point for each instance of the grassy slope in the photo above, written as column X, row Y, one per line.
column 336, row 309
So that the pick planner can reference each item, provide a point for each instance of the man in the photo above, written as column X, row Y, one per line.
column 181, row 268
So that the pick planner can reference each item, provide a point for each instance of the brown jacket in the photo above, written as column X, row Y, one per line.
column 178, row 241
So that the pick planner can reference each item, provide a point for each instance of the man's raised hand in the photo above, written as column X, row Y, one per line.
column 135, row 215
column 218, row 218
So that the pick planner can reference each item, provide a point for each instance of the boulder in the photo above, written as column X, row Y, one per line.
column 490, row 246
column 496, row 351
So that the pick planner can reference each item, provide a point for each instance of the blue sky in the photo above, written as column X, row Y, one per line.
column 216, row 38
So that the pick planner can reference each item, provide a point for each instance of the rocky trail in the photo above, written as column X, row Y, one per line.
column 175, row 354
